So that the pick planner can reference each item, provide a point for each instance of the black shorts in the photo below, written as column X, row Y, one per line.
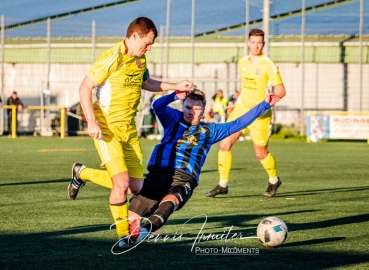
column 160, row 182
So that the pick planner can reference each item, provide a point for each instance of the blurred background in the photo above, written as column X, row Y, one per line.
column 321, row 48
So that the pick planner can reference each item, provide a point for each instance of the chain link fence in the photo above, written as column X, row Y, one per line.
column 323, row 69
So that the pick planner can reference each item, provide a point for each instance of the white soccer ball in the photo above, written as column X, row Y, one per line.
column 314, row 138
column 272, row 231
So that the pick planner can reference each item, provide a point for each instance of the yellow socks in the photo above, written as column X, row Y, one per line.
column 99, row 177
column 270, row 167
column 224, row 167
column 120, row 216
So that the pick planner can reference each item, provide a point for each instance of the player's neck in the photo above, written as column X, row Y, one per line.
column 254, row 57
column 128, row 45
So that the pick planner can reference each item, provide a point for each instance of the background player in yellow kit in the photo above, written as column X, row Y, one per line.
column 119, row 75
column 258, row 72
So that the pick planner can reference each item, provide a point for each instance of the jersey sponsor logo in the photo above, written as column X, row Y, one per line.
column 138, row 63
column 190, row 139
column 249, row 84
column 133, row 80
column 258, row 72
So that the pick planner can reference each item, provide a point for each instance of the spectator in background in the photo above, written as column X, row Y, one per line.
column 233, row 98
column 14, row 100
column 219, row 107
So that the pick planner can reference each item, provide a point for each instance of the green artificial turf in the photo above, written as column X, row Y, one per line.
column 323, row 200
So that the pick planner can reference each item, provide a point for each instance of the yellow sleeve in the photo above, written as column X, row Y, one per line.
column 275, row 76
column 105, row 64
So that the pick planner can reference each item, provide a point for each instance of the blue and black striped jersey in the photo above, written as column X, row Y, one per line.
column 185, row 147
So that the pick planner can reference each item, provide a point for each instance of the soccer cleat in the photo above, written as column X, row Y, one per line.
column 76, row 183
column 126, row 242
column 217, row 190
column 272, row 189
column 134, row 229
column 143, row 234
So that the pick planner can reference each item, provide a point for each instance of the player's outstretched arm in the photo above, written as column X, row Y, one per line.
column 247, row 118
column 158, row 86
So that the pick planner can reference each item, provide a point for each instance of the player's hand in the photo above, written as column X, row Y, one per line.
column 182, row 94
column 272, row 98
column 184, row 86
column 94, row 131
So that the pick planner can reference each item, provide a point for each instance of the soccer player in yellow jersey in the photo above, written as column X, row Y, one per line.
column 119, row 75
column 258, row 72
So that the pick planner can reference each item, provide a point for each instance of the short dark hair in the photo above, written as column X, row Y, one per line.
column 198, row 95
column 256, row 33
column 142, row 25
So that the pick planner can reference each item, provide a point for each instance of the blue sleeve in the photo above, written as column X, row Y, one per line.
column 163, row 111
column 222, row 131
column 243, row 121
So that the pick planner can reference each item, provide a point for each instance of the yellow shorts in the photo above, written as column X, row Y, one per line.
column 260, row 129
column 122, row 150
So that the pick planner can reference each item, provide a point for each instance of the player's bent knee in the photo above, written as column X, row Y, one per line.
column 225, row 145
column 120, row 182
column 261, row 154
column 171, row 197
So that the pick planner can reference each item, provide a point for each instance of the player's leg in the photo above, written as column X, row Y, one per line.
column 260, row 132
column 134, row 160
column 139, row 207
column 118, row 196
column 132, row 182
column 107, row 148
column 224, row 165
column 176, row 198
column 143, row 204
column 127, row 175
column 81, row 174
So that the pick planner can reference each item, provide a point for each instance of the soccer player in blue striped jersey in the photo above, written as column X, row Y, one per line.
column 175, row 164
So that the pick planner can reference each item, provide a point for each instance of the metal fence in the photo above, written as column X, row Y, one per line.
column 323, row 64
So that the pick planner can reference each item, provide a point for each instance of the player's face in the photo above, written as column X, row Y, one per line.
column 256, row 44
column 192, row 111
column 143, row 44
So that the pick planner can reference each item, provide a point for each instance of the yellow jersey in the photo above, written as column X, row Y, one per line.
column 256, row 78
column 119, row 78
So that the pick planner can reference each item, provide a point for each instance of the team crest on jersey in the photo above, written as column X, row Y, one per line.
column 258, row 72
column 190, row 139
column 138, row 63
